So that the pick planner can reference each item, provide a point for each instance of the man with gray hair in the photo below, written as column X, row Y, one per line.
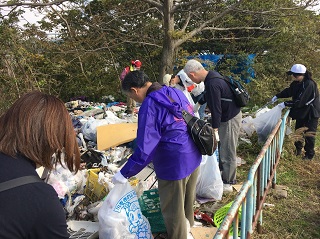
column 225, row 115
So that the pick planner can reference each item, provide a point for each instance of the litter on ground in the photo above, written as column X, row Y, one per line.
column 106, row 139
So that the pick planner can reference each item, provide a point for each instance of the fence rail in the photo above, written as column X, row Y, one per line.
column 252, row 195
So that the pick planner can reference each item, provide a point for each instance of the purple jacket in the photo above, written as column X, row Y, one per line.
column 163, row 138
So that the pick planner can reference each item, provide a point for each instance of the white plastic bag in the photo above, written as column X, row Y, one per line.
column 89, row 128
column 120, row 216
column 247, row 125
column 209, row 184
column 66, row 182
column 265, row 123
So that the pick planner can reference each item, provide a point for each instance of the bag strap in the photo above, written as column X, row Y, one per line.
column 229, row 84
column 185, row 114
column 226, row 99
column 19, row 182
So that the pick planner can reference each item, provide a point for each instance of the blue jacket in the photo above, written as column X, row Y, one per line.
column 162, row 137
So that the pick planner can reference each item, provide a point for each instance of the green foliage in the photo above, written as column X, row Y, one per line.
column 92, row 36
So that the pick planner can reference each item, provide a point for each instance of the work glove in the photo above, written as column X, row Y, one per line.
column 282, row 105
column 274, row 99
column 196, row 107
column 190, row 88
column 118, row 178
column 216, row 135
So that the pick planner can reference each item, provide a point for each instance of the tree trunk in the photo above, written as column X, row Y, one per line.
column 166, row 64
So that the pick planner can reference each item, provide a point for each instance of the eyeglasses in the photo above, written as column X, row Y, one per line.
column 297, row 74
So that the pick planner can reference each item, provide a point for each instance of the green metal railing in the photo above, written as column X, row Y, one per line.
column 252, row 195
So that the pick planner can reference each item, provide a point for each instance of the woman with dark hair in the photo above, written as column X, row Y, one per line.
column 305, row 106
column 162, row 138
column 35, row 131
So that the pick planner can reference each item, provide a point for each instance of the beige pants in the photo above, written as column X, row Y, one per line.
column 176, row 200
column 229, row 134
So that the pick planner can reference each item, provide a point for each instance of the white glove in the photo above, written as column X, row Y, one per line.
column 196, row 107
column 216, row 135
column 282, row 105
column 118, row 178
column 274, row 99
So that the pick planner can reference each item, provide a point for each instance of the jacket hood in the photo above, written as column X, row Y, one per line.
column 186, row 81
column 168, row 98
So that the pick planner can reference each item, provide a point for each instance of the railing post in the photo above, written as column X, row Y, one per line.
column 254, row 190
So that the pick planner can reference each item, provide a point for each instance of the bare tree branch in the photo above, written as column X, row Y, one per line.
column 186, row 4
column 184, row 27
column 156, row 4
column 237, row 28
column 33, row 4
column 11, row 11
column 206, row 23
column 72, row 35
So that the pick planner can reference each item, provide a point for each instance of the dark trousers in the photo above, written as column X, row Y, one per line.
column 309, row 141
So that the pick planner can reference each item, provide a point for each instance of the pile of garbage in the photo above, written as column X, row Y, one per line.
column 82, row 194
column 89, row 191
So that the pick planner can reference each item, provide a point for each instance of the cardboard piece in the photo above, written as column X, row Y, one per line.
column 113, row 135
column 203, row 232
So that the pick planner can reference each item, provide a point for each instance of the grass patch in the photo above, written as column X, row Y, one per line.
column 297, row 216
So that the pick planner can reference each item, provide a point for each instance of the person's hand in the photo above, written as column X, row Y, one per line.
column 118, row 178
column 216, row 135
column 282, row 105
column 274, row 99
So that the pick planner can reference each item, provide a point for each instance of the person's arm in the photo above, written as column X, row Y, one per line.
column 286, row 93
column 213, row 98
column 148, row 137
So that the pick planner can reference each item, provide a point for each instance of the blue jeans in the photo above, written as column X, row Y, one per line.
column 202, row 108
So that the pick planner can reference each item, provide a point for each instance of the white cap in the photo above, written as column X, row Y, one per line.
column 166, row 79
column 297, row 68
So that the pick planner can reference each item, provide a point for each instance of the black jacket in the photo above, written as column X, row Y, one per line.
column 31, row 211
column 216, row 88
column 305, row 103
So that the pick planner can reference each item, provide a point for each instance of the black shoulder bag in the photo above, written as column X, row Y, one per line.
column 200, row 131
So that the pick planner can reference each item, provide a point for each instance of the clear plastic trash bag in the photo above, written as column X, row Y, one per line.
column 264, row 123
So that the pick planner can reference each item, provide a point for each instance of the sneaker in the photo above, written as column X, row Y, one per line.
column 227, row 188
column 240, row 161
column 307, row 157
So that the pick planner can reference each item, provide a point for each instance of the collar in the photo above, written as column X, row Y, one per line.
column 155, row 86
